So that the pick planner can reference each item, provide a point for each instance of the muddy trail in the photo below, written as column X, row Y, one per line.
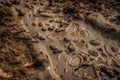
column 59, row 40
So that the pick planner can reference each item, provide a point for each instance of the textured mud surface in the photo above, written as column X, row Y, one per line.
column 59, row 40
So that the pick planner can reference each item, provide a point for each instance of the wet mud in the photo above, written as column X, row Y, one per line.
column 59, row 40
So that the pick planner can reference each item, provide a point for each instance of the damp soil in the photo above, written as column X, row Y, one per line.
column 59, row 40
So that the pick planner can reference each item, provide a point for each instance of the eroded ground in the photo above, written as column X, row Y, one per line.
column 59, row 40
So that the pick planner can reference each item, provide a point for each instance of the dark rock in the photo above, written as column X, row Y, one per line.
column 55, row 49
column 41, row 38
column 57, row 21
column 50, row 28
column 94, row 42
column 16, row 2
column 93, row 53
column 59, row 30
column 39, row 11
column 40, row 24
column 33, row 24
column 71, row 48
column 51, row 20
column 114, row 48
column 67, row 39
column 43, row 29
column 21, row 13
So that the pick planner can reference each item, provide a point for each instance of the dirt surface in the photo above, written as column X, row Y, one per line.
column 59, row 40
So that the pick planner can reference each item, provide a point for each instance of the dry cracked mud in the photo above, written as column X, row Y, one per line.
column 59, row 40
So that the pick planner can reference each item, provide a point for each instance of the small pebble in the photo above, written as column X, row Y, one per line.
column 71, row 48
column 114, row 48
column 58, row 21
column 43, row 29
column 41, row 38
column 67, row 39
column 33, row 24
column 93, row 53
column 59, row 30
column 40, row 24
column 50, row 28
column 39, row 11
column 51, row 20
column 55, row 49
column 21, row 13
column 16, row 2
column 94, row 42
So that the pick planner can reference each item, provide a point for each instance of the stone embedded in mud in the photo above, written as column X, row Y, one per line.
column 66, row 39
column 40, row 24
column 71, row 47
column 94, row 42
column 16, row 2
column 59, row 30
column 41, row 38
column 52, row 20
column 33, row 24
column 93, row 53
column 55, row 49
column 51, row 28
column 114, row 48
column 43, row 29
column 21, row 13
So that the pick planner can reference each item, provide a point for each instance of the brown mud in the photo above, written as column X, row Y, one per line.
column 59, row 40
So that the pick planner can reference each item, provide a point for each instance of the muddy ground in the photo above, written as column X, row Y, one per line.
column 59, row 40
